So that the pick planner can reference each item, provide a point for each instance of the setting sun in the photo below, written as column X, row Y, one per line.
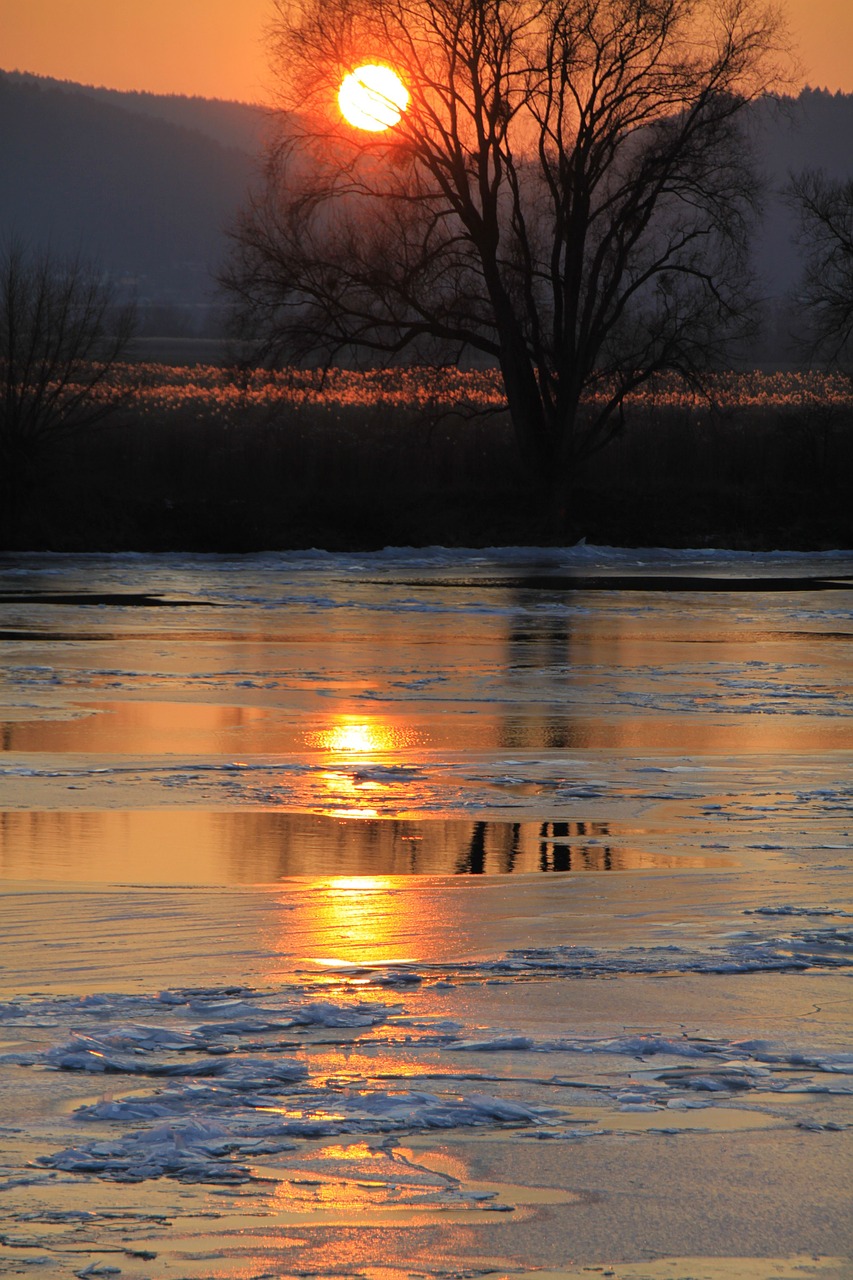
column 373, row 97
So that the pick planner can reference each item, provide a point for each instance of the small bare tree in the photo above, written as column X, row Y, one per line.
column 569, row 194
column 61, row 334
column 825, row 209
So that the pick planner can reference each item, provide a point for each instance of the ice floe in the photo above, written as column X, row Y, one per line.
column 225, row 1091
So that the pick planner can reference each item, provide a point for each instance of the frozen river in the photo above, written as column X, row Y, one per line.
column 436, row 913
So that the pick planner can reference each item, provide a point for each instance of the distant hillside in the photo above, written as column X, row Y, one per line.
column 147, row 197
column 148, row 183
column 812, row 131
column 233, row 124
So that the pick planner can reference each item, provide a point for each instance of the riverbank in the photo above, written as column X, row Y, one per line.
column 196, row 461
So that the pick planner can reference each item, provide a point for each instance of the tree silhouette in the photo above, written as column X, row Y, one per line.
column 61, row 333
column 825, row 209
column 569, row 194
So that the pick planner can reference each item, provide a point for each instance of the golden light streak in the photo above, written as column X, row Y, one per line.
column 365, row 918
column 356, row 739
column 351, row 746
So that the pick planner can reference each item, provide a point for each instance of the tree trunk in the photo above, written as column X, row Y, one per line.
column 532, row 430
column 546, row 447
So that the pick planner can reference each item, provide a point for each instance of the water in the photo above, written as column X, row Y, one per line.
column 411, row 911
column 430, row 713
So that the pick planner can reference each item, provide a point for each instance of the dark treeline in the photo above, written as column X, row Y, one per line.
column 362, row 478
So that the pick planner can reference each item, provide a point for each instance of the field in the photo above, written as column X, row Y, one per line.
column 203, row 458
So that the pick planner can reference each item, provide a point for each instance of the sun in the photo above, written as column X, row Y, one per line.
column 373, row 97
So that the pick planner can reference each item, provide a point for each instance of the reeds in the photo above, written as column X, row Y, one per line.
column 202, row 458
column 209, row 389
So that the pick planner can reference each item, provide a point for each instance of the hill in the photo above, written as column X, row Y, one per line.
column 232, row 124
column 148, row 183
column 148, row 197
column 811, row 131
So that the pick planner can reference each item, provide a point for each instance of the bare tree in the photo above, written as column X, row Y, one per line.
column 569, row 194
column 825, row 209
column 61, row 334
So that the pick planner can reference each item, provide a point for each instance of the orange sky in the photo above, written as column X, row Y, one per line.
column 215, row 47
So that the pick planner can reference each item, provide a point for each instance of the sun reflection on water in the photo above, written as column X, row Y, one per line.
column 362, row 915
column 354, row 735
column 350, row 746
column 362, row 922
column 349, row 796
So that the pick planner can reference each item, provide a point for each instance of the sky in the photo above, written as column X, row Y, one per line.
column 215, row 48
